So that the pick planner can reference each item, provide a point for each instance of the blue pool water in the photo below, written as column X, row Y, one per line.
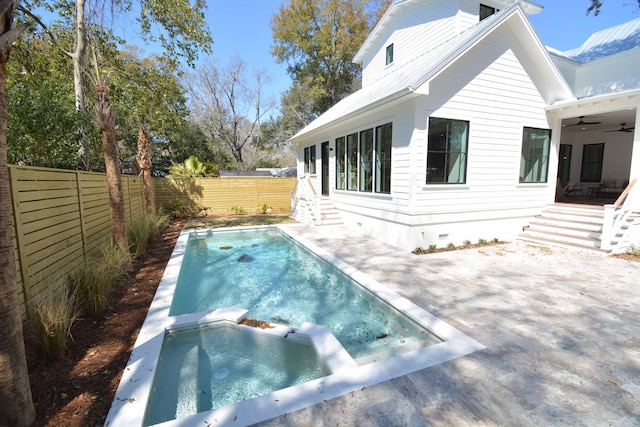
column 199, row 370
column 280, row 281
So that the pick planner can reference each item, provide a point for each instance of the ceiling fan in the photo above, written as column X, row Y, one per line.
column 622, row 129
column 581, row 122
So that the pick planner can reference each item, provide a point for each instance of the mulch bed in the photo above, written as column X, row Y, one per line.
column 78, row 389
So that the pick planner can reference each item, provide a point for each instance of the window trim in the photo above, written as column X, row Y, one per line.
column 464, row 151
column 546, row 157
column 310, row 160
column 583, row 177
column 349, row 178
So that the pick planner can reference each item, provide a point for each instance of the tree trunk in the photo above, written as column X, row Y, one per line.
column 106, row 119
column 144, row 161
column 78, row 57
column 16, row 403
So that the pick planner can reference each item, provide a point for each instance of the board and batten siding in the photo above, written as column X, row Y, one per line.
column 60, row 218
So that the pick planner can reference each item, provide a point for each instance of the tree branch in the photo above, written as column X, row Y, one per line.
column 46, row 30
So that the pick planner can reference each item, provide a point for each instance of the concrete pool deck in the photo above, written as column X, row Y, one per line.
column 561, row 327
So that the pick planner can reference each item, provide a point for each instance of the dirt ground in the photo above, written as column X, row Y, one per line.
column 77, row 390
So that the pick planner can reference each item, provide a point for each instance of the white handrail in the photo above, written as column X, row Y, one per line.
column 617, row 214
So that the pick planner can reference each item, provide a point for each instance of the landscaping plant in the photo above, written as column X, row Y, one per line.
column 93, row 282
column 144, row 229
column 52, row 314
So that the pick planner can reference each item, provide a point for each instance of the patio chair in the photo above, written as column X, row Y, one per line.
column 561, row 189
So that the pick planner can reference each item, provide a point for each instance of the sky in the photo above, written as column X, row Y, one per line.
column 243, row 28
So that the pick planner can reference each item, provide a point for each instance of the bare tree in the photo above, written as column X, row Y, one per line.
column 229, row 105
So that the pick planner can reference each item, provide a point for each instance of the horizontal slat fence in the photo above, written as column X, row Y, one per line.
column 220, row 195
column 59, row 218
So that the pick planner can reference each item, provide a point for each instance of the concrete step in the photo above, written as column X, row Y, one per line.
column 588, row 246
column 571, row 229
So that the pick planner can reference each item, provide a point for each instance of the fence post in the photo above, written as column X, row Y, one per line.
column 83, row 229
column 22, row 255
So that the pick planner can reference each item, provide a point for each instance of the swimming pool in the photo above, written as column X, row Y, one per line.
column 281, row 282
column 135, row 389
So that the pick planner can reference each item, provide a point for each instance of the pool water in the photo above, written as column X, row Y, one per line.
column 203, row 369
column 280, row 281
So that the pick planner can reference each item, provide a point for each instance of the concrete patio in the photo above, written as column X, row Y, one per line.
column 561, row 327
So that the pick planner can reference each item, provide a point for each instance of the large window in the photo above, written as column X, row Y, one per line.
column 352, row 161
column 340, row 163
column 366, row 160
column 534, row 160
column 447, row 151
column 592, row 155
column 363, row 160
column 310, row 160
column 383, row 158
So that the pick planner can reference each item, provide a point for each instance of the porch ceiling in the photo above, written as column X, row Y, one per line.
column 610, row 120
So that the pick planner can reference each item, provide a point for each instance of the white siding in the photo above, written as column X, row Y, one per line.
column 416, row 30
column 498, row 102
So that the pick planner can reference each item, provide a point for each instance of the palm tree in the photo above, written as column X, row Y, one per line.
column 193, row 167
column 16, row 405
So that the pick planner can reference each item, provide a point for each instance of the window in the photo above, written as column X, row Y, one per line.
column 310, row 160
column 340, row 163
column 383, row 158
column 592, row 162
column 447, row 151
column 363, row 160
column 352, row 161
column 487, row 11
column 534, row 160
column 366, row 160
column 390, row 54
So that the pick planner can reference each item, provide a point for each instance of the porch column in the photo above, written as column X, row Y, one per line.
column 635, row 153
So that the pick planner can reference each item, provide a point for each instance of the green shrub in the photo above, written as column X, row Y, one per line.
column 450, row 245
column 178, row 209
column 239, row 210
column 263, row 208
column 93, row 282
column 52, row 314
column 482, row 241
column 433, row 248
column 145, row 229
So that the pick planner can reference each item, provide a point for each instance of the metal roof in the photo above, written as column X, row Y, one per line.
column 407, row 78
column 607, row 42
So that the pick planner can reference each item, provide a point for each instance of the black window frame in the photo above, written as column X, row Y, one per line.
column 310, row 160
column 389, row 54
column 363, row 160
column 439, row 156
column 592, row 162
column 486, row 11
column 533, row 158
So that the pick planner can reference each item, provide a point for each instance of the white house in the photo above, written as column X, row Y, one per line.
column 458, row 129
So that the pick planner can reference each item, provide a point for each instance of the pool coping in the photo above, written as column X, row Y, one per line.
column 129, row 405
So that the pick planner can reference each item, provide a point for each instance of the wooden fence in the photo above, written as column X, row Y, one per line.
column 220, row 195
column 60, row 217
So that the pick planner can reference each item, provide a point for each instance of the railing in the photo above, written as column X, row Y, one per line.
column 304, row 190
column 617, row 214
